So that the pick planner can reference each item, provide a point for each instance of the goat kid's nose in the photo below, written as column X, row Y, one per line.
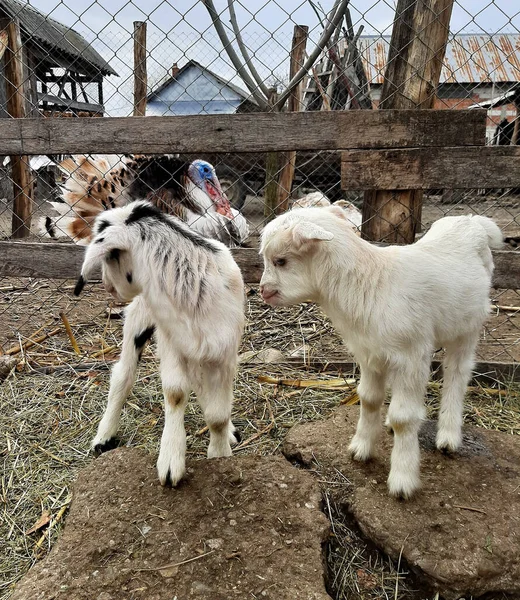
column 266, row 292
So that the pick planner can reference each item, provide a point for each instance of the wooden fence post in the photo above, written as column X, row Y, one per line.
column 299, row 43
column 415, row 60
column 140, row 73
column 20, row 167
column 271, row 171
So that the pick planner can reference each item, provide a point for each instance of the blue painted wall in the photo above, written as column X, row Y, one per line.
column 194, row 92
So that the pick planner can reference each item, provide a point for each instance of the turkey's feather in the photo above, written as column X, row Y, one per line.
column 98, row 183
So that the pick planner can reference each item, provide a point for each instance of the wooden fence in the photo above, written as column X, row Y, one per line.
column 384, row 149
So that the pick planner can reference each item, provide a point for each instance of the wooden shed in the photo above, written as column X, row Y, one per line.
column 63, row 72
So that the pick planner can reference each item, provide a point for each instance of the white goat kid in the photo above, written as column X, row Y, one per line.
column 393, row 307
column 190, row 291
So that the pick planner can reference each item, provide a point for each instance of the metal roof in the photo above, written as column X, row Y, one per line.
column 42, row 28
column 470, row 58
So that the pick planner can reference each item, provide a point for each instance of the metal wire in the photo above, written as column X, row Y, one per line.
column 79, row 62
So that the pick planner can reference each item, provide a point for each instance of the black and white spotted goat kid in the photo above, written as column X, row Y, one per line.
column 189, row 291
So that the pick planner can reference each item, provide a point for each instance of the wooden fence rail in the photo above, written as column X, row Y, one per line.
column 63, row 261
column 468, row 167
column 253, row 132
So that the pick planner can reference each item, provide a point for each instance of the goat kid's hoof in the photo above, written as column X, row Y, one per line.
column 234, row 437
column 448, row 445
column 170, row 475
column 402, row 488
column 360, row 450
column 99, row 448
column 171, row 482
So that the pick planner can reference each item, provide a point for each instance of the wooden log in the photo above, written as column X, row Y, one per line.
column 288, row 159
column 63, row 261
column 417, row 49
column 250, row 132
column 434, row 168
column 16, row 101
column 140, row 72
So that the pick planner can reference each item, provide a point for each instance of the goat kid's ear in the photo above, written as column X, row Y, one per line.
column 305, row 233
column 337, row 211
column 94, row 257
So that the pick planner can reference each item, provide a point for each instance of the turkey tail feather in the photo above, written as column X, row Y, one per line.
column 93, row 184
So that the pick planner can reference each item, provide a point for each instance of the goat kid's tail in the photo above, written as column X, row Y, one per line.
column 93, row 184
column 493, row 231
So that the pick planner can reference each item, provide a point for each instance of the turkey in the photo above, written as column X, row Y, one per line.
column 189, row 191
column 317, row 199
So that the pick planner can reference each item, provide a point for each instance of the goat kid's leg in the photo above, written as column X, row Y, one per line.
column 458, row 363
column 137, row 330
column 405, row 414
column 371, row 392
column 171, row 464
column 216, row 398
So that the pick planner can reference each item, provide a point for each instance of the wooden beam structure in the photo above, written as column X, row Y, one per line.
column 63, row 261
column 69, row 104
column 140, row 72
column 252, row 132
column 416, row 54
column 16, row 101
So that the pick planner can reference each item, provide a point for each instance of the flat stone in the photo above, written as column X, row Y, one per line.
column 461, row 533
column 242, row 527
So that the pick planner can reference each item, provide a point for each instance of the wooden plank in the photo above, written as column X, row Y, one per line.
column 253, row 132
column 16, row 102
column 63, row 261
column 434, row 168
column 413, row 69
column 140, row 74
column 68, row 104
column 507, row 270
column 288, row 159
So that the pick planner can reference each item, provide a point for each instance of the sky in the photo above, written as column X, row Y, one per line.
column 179, row 30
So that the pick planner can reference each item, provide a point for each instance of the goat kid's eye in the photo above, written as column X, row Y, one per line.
column 279, row 262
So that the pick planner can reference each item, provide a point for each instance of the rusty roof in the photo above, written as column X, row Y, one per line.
column 470, row 58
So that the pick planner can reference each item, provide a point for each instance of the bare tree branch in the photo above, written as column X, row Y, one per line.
column 244, row 51
column 251, row 86
column 338, row 10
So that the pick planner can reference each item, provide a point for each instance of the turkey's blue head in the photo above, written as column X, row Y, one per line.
column 203, row 175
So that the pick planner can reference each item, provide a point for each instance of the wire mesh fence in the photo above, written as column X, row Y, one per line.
column 78, row 61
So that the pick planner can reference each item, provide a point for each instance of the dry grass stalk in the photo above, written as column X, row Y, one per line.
column 70, row 334
column 53, row 522
column 31, row 342
column 320, row 384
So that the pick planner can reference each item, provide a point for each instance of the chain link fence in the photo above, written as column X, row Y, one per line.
column 79, row 62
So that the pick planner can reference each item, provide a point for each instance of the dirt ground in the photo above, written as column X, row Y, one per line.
column 246, row 527
column 460, row 533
